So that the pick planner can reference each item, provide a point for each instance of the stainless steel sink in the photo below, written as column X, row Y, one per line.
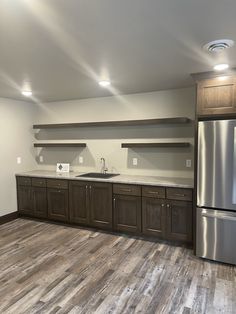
column 98, row 175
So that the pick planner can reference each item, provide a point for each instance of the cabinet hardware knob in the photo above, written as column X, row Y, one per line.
column 162, row 205
column 114, row 202
column 168, row 205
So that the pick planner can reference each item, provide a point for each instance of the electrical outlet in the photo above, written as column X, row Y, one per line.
column 135, row 161
column 40, row 158
column 18, row 160
column 188, row 163
column 81, row 159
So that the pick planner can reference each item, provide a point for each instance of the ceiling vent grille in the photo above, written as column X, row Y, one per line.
column 218, row 45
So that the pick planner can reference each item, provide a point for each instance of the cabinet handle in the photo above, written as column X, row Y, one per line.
column 168, row 205
column 153, row 192
column 179, row 194
column 114, row 203
column 162, row 205
column 126, row 190
column 59, row 191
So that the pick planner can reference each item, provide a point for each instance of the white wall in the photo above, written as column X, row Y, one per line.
column 106, row 141
column 16, row 137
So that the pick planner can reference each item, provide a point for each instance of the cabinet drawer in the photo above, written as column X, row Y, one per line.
column 24, row 181
column 127, row 189
column 179, row 194
column 57, row 183
column 153, row 191
column 38, row 182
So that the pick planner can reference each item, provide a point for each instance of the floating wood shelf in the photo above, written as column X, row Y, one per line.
column 152, row 145
column 178, row 120
column 59, row 144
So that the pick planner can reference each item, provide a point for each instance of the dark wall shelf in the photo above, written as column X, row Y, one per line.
column 178, row 120
column 152, row 145
column 59, row 144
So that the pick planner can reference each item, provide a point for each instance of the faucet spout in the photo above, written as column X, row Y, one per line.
column 104, row 169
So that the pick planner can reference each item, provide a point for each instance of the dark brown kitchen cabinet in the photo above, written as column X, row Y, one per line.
column 58, row 204
column 216, row 95
column 100, row 204
column 39, row 200
column 32, row 201
column 127, row 213
column 91, row 204
column 162, row 212
column 25, row 202
column 79, row 202
column 153, row 217
column 179, row 221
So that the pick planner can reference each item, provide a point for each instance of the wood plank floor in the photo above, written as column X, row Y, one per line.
column 48, row 268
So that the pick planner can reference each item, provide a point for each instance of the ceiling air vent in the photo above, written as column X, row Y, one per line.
column 218, row 45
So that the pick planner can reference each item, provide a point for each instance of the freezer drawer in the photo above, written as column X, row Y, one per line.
column 216, row 234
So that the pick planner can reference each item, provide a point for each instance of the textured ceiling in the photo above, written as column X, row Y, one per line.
column 63, row 47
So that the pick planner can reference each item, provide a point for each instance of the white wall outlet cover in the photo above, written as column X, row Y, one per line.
column 81, row 159
column 61, row 167
column 18, row 160
column 188, row 163
column 41, row 158
column 135, row 161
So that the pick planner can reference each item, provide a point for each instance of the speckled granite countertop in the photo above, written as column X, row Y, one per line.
column 122, row 178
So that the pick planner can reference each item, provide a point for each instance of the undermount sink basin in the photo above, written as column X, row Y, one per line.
column 98, row 175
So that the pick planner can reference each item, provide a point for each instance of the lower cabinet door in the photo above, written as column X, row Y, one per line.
column 78, row 202
column 40, row 202
column 25, row 203
column 57, row 204
column 153, row 217
column 179, row 221
column 100, row 196
column 127, row 213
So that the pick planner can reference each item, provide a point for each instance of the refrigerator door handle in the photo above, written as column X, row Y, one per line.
column 217, row 216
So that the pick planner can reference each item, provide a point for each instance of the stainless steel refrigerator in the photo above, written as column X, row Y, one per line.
column 216, row 191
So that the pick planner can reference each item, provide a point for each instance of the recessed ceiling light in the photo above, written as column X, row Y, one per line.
column 104, row 83
column 221, row 67
column 222, row 78
column 26, row 93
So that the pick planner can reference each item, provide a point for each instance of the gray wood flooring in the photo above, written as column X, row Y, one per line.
column 48, row 268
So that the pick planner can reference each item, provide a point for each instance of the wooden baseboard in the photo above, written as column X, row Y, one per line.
column 9, row 217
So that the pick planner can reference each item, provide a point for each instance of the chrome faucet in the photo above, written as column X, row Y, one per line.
column 104, row 169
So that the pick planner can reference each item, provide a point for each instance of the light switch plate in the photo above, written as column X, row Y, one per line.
column 188, row 163
column 40, row 158
column 61, row 167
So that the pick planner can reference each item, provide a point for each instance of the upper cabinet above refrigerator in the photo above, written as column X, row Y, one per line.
column 216, row 94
